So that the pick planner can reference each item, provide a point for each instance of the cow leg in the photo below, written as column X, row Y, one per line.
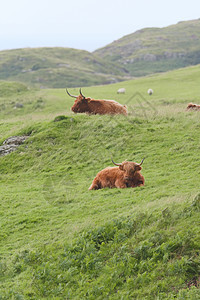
column 95, row 185
column 140, row 183
column 120, row 184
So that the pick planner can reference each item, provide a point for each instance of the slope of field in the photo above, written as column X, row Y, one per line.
column 57, row 67
column 151, row 50
column 61, row 241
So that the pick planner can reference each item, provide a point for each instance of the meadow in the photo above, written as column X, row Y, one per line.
column 60, row 241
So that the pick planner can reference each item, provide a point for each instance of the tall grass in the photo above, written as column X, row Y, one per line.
column 61, row 241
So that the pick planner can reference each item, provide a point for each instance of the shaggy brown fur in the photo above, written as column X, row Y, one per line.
column 192, row 106
column 92, row 106
column 126, row 175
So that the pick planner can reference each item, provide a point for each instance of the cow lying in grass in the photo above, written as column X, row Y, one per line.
column 92, row 106
column 192, row 106
column 126, row 174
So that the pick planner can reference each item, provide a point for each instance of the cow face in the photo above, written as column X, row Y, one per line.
column 191, row 105
column 129, row 168
column 80, row 104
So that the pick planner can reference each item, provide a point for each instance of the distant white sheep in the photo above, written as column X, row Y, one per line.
column 150, row 92
column 121, row 91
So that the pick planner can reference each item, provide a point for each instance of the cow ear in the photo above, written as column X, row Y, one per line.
column 88, row 100
column 138, row 168
column 121, row 167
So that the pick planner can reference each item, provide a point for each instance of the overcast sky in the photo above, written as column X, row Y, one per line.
column 85, row 24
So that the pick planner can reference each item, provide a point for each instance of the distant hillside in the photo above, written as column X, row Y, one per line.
column 57, row 67
column 141, row 53
column 153, row 50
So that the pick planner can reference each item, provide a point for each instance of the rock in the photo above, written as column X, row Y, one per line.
column 11, row 144
column 16, row 140
column 149, row 57
column 18, row 105
column 4, row 150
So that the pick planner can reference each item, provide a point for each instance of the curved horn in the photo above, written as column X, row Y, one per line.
column 115, row 163
column 81, row 94
column 70, row 94
column 142, row 161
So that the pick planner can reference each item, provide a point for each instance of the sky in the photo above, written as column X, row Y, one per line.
column 85, row 24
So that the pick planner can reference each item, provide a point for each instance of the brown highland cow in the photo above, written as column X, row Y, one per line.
column 126, row 174
column 192, row 106
column 92, row 106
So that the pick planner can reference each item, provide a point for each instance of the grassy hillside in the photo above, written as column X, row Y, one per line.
column 61, row 241
column 57, row 67
column 153, row 50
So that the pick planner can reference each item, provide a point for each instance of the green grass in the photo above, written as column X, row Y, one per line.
column 61, row 241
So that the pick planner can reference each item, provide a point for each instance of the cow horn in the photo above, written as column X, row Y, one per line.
column 70, row 94
column 81, row 94
column 116, row 163
column 142, row 161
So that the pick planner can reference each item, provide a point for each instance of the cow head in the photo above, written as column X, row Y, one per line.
column 191, row 105
column 80, row 104
column 129, row 168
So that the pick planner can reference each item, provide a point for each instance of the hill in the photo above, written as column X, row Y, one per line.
column 151, row 50
column 59, row 240
column 57, row 67
column 144, row 52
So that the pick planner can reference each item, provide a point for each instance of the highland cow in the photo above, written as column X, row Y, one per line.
column 92, row 106
column 192, row 106
column 126, row 174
